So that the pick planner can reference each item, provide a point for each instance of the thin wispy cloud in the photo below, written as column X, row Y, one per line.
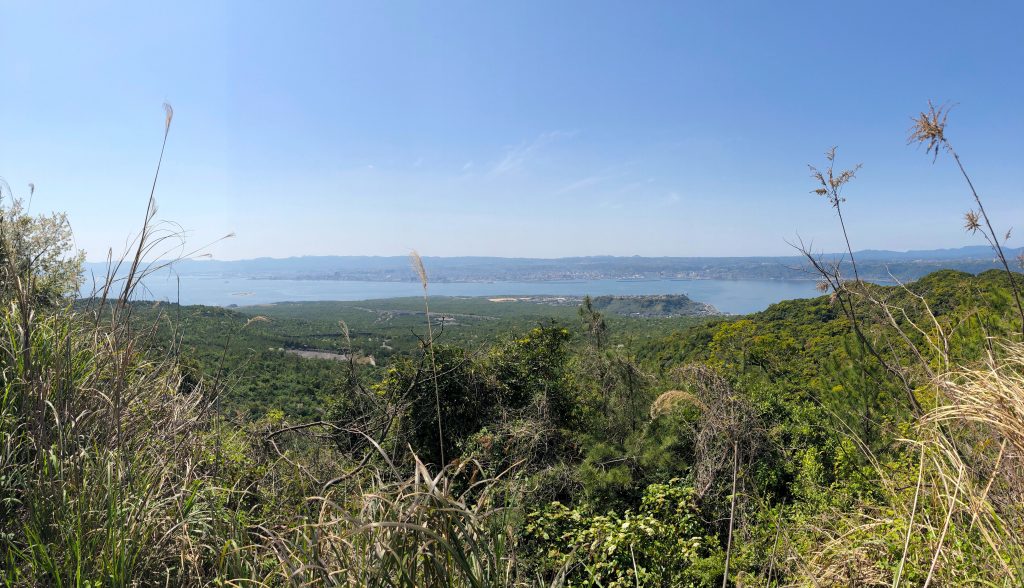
column 582, row 183
column 516, row 157
column 608, row 175
column 633, row 187
column 638, row 193
column 611, row 204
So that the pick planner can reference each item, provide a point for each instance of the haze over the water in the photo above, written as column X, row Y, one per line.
column 532, row 129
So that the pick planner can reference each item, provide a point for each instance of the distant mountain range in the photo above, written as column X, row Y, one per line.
column 873, row 265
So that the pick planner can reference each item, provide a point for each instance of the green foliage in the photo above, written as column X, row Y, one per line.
column 521, row 380
column 38, row 252
column 533, row 368
column 466, row 401
column 661, row 543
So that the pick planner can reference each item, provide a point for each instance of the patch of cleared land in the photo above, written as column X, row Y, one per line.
column 312, row 354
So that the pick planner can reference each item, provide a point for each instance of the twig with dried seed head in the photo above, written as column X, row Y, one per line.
column 929, row 129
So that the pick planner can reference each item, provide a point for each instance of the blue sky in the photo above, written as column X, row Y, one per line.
column 522, row 128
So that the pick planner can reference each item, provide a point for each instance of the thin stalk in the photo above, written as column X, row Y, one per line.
column 995, row 238
column 945, row 529
column 988, row 486
column 130, row 282
column 775, row 546
column 732, row 511
column 849, row 248
column 417, row 264
column 433, row 370
column 910, row 525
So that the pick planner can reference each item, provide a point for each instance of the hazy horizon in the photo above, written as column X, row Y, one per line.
column 793, row 253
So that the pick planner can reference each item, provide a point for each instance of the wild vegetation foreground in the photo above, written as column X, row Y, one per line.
column 868, row 437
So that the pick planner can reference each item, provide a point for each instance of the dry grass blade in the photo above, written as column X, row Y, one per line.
column 421, row 271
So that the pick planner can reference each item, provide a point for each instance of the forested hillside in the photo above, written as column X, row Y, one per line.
column 251, row 352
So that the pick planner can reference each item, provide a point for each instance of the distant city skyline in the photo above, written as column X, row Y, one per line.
column 526, row 129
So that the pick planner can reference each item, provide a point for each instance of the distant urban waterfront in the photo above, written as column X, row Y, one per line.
column 730, row 296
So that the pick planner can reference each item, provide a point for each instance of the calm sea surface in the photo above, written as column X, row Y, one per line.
column 731, row 296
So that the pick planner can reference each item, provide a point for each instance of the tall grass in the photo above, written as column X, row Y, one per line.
column 421, row 271
column 412, row 532
column 114, row 473
column 952, row 516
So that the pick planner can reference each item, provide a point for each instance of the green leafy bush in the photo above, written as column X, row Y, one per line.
column 661, row 543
